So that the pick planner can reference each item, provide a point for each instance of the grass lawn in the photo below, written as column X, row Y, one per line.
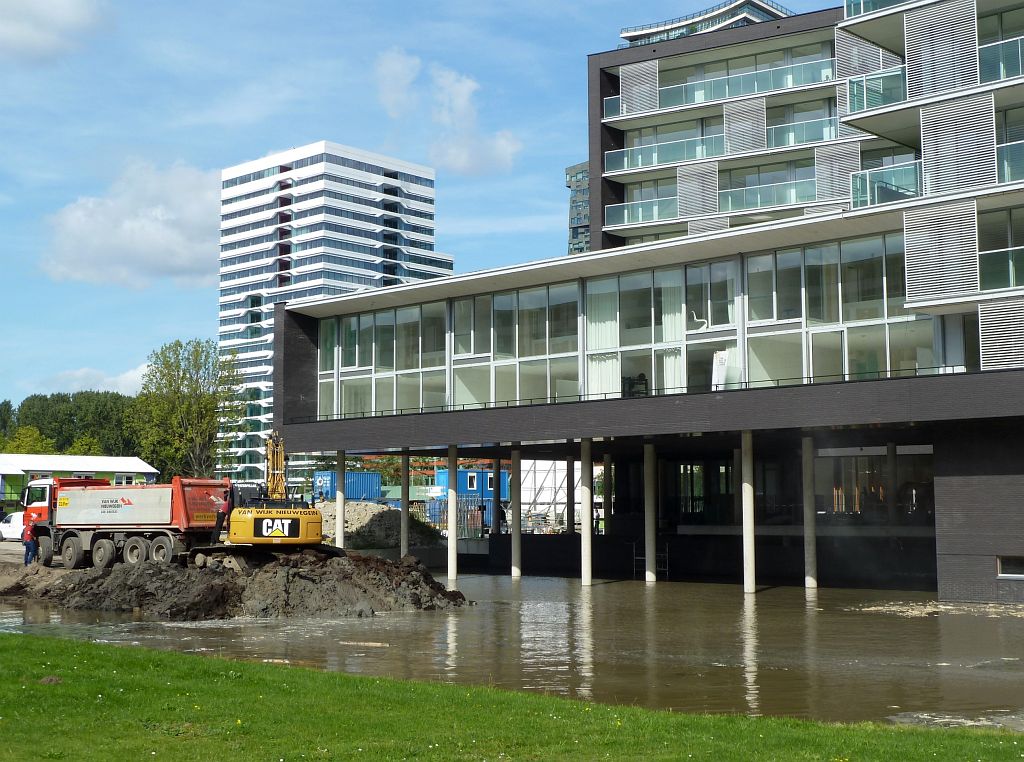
column 62, row 699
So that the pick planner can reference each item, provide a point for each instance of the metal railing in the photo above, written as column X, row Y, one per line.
column 881, row 88
column 1001, row 268
column 762, row 196
column 735, row 85
column 1001, row 60
column 697, row 14
column 797, row 133
column 635, row 212
column 860, row 7
column 664, row 153
column 886, row 184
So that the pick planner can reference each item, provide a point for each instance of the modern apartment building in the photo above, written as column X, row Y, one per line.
column 577, row 180
column 315, row 221
column 800, row 343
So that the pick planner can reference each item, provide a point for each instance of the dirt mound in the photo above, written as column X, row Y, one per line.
column 309, row 583
column 369, row 525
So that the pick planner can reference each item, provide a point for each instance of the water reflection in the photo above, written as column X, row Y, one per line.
column 688, row 647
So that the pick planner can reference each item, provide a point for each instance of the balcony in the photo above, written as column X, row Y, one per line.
column 612, row 107
column 664, row 153
column 1010, row 161
column 882, row 88
column 860, row 7
column 636, row 212
column 736, row 85
column 1000, row 60
column 886, row 184
column 762, row 196
column 1002, row 268
column 797, row 133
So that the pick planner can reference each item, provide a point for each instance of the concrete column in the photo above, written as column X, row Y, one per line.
column 650, row 514
column 608, row 478
column 747, row 477
column 890, row 481
column 737, row 487
column 586, row 513
column 810, row 529
column 339, row 502
column 496, row 498
column 570, row 495
column 515, row 488
column 403, row 543
column 453, row 512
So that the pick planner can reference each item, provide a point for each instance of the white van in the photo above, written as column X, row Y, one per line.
column 12, row 526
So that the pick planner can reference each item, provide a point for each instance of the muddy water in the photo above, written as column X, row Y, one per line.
column 687, row 647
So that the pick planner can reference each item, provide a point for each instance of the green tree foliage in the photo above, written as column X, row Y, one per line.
column 6, row 419
column 66, row 417
column 29, row 441
column 85, row 444
column 52, row 414
column 175, row 417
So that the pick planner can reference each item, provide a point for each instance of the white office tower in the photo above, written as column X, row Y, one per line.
column 315, row 221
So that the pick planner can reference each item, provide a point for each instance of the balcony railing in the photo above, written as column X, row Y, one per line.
column 860, row 7
column 737, row 85
column 1000, row 60
column 612, row 106
column 886, row 184
column 795, row 133
column 654, row 210
column 761, row 196
column 1010, row 160
column 879, row 89
column 1002, row 268
column 665, row 153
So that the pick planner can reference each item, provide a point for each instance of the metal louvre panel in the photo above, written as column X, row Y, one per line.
column 855, row 56
column 709, row 225
column 638, row 87
column 942, row 47
column 941, row 250
column 889, row 59
column 833, row 165
column 745, row 125
column 1002, row 334
column 958, row 144
column 697, row 189
column 842, row 109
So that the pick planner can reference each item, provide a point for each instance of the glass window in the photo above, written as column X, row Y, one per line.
column 760, row 289
column 505, row 383
column 472, row 385
column 434, row 392
column 827, row 356
column 775, row 360
column 533, row 312
column 822, row 264
column 911, row 347
column 563, row 313
column 696, row 297
column 408, row 392
column 349, row 339
column 326, row 398
column 433, row 340
column 565, row 379
column 635, row 309
column 602, row 313
column 636, row 373
column 505, row 325
column 865, row 347
column 365, row 341
column 482, row 325
column 603, row 378
column 533, row 382
column 327, row 343
column 712, row 365
column 668, row 371
column 895, row 275
column 462, row 318
column 862, row 278
column 723, row 292
column 385, row 340
column 384, row 395
column 407, row 333
column 355, row 397
column 668, row 305
column 787, row 284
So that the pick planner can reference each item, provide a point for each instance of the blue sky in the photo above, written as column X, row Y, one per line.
column 117, row 116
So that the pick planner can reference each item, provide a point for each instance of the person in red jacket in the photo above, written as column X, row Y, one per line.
column 28, row 536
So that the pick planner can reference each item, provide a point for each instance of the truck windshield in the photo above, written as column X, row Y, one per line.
column 36, row 495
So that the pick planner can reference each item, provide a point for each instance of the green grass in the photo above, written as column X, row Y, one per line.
column 118, row 702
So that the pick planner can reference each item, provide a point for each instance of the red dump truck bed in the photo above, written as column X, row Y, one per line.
column 184, row 504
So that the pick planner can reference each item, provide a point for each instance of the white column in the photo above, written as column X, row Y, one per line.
column 607, row 479
column 403, row 543
column 515, row 486
column 810, row 530
column 570, row 495
column 586, row 513
column 453, row 512
column 496, row 498
column 890, row 482
column 339, row 502
column 747, row 477
column 650, row 514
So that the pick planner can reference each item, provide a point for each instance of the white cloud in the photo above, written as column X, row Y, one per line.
column 39, row 29
column 152, row 224
column 395, row 72
column 91, row 379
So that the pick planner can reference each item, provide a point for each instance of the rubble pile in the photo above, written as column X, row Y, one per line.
column 369, row 525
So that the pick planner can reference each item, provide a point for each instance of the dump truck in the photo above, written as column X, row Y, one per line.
column 83, row 520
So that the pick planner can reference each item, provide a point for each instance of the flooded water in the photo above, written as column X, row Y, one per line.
column 686, row 647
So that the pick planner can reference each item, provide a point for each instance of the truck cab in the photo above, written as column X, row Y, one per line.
column 41, row 494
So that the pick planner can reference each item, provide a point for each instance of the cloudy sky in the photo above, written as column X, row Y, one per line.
column 117, row 116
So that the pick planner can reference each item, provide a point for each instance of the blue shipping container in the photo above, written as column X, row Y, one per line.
column 474, row 482
column 359, row 485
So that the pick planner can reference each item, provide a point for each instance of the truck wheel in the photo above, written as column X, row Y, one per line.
column 161, row 550
column 103, row 554
column 46, row 551
column 71, row 553
column 136, row 550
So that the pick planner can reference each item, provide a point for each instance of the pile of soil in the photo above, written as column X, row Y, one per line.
column 369, row 525
column 305, row 584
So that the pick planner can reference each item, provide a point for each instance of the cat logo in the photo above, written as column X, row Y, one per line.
column 277, row 528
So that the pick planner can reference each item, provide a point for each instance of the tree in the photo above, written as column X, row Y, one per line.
column 6, row 419
column 85, row 444
column 52, row 414
column 176, row 416
column 28, row 440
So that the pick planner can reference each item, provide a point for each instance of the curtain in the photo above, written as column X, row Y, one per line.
column 603, row 376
